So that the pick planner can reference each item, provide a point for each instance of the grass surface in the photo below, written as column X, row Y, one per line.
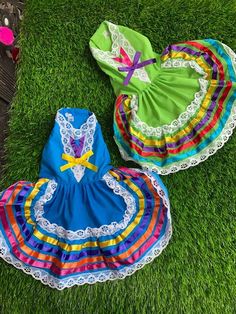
column 196, row 273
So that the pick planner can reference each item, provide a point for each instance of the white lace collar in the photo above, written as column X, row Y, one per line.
column 118, row 41
column 67, row 131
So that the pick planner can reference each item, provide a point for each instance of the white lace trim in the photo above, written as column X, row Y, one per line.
column 184, row 116
column 210, row 150
column 85, row 278
column 103, row 230
column 159, row 190
column 232, row 55
column 87, row 129
column 118, row 41
column 101, row 276
column 191, row 109
column 157, row 187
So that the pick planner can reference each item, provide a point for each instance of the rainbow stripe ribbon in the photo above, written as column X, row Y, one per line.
column 72, row 161
column 132, row 65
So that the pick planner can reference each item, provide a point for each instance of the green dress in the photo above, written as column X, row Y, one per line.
column 173, row 110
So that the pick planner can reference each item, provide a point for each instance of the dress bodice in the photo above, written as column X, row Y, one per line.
column 76, row 134
column 114, row 47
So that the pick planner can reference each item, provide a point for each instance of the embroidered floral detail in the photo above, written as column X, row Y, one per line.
column 67, row 132
column 88, row 232
column 118, row 41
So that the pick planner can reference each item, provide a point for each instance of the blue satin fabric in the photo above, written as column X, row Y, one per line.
column 52, row 160
column 77, row 205
column 74, row 227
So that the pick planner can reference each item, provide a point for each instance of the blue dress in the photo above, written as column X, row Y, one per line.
column 83, row 221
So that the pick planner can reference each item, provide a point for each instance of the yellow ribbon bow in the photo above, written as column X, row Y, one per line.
column 72, row 161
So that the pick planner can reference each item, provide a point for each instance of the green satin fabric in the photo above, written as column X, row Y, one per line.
column 167, row 95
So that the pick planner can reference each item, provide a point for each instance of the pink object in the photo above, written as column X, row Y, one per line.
column 6, row 36
column 125, row 58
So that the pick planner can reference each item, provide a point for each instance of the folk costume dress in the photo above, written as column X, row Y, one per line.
column 173, row 110
column 83, row 221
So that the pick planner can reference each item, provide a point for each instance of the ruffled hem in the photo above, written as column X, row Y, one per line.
column 190, row 162
column 62, row 258
column 81, row 279
column 171, row 157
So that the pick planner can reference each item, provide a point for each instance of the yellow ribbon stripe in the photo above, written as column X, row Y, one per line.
column 30, row 198
column 105, row 243
column 72, row 161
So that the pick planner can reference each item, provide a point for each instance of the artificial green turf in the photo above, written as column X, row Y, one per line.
column 196, row 273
